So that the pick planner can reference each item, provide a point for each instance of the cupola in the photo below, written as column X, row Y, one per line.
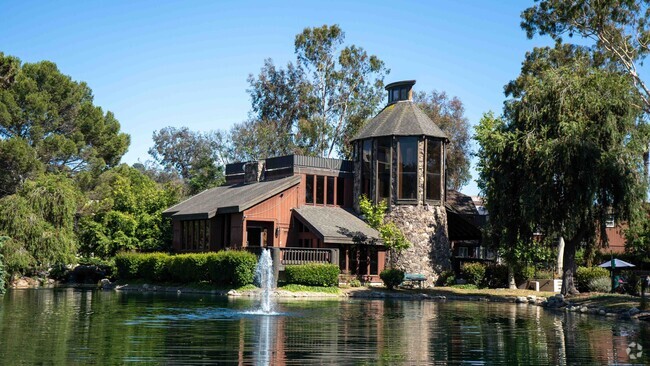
column 400, row 153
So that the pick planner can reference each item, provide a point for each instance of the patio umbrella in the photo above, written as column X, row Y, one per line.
column 617, row 263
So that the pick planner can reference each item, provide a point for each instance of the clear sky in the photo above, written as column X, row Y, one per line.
column 185, row 63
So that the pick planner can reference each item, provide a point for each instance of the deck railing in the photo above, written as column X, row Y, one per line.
column 290, row 256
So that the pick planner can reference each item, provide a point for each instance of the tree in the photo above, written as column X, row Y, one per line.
column 448, row 114
column 320, row 102
column 124, row 212
column 392, row 237
column 47, row 119
column 198, row 158
column 39, row 220
column 565, row 155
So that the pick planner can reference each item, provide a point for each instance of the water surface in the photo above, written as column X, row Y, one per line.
column 83, row 327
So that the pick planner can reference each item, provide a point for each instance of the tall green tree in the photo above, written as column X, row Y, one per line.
column 197, row 157
column 48, row 120
column 39, row 220
column 320, row 101
column 124, row 212
column 565, row 155
column 449, row 115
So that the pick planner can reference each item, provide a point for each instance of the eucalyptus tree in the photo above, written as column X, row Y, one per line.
column 319, row 102
column 565, row 154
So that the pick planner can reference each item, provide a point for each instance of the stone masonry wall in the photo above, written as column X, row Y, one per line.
column 426, row 228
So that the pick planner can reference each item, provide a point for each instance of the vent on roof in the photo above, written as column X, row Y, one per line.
column 400, row 90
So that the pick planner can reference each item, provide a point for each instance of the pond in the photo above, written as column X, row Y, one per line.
column 82, row 327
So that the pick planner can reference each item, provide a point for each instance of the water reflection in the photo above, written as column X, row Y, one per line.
column 66, row 327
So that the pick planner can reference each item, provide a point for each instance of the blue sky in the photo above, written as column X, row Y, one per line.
column 185, row 63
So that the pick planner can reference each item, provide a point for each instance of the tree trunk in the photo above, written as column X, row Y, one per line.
column 560, row 256
column 511, row 277
column 569, row 270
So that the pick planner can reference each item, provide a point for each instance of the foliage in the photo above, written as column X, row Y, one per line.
column 448, row 114
column 446, row 278
column 565, row 154
column 374, row 215
column 392, row 277
column 619, row 29
column 3, row 239
column 124, row 212
column 48, row 120
column 233, row 268
column 354, row 282
column 584, row 276
column 525, row 273
column 196, row 157
column 303, row 288
column 600, row 284
column 39, row 219
column 466, row 286
column 496, row 276
column 319, row 103
column 474, row 273
column 313, row 274
column 637, row 234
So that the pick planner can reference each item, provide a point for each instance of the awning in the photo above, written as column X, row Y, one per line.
column 335, row 225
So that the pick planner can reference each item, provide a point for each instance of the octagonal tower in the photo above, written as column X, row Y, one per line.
column 400, row 157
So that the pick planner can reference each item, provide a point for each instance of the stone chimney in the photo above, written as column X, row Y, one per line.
column 253, row 171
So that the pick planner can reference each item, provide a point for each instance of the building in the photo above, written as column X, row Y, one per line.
column 306, row 207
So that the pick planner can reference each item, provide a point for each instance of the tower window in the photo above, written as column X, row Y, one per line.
column 434, row 170
column 383, row 168
column 407, row 168
column 366, row 165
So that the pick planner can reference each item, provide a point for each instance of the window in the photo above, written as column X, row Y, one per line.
column 434, row 169
column 383, row 168
column 366, row 159
column 309, row 189
column 407, row 168
column 330, row 190
column 320, row 189
column 463, row 252
column 610, row 222
column 340, row 191
column 195, row 235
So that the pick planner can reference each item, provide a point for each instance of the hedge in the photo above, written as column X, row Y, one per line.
column 474, row 273
column 312, row 274
column 584, row 275
column 392, row 277
column 235, row 268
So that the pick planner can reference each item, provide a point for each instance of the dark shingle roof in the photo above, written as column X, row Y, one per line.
column 334, row 224
column 460, row 203
column 402, row 118
column 229, row 199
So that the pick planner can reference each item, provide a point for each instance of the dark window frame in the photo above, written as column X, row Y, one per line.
column 400, row 173
column 438, row 173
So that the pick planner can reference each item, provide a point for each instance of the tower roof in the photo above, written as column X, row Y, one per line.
column 401, row 118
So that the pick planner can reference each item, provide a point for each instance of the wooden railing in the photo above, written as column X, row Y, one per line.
column 288, row 256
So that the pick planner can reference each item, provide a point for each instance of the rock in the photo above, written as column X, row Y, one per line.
column 521, row 300
column 145, row 286
column 584, row 309
column 633, row 311
column 602, row 312
column 233, row 293
column 105, row 284
column 532, row 299
column 21, row 283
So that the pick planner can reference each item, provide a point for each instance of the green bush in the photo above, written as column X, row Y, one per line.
column 354, row 282
column 600, row 284
column 2, row 269
column 392, row 277
column 446, row 278
column 496, row 276
column 474, row 273
column 584, row 275
column 235, row 268
column 524, row 273
column 313, row 274
column 467, row 286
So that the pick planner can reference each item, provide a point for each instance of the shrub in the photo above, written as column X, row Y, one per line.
column 354, row 282
column 127, row 265
column 185, row 268
column 2, row 272
column 313, row 274
column 235, row 268
column 584, row 275
column 474, row 273
column 600, row 284
column 154, row 267
column 545, row 274
column 524, row 273
column 496, row 276
column 392, row 277
column 446, row 278
column 467, row 286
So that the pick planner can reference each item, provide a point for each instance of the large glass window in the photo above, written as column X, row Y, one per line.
column 407, row 168
column 434, row 169
column 330, row 190
column 340, row 191
column 196, row 235
column 383, row 168
column 320, row 189
column 309, row 189
column 366, row 157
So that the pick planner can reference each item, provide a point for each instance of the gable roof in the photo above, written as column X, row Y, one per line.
column 402, row 118
column 335, row 224
column 229, row 199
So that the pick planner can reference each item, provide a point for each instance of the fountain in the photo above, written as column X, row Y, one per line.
column 264, row 278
